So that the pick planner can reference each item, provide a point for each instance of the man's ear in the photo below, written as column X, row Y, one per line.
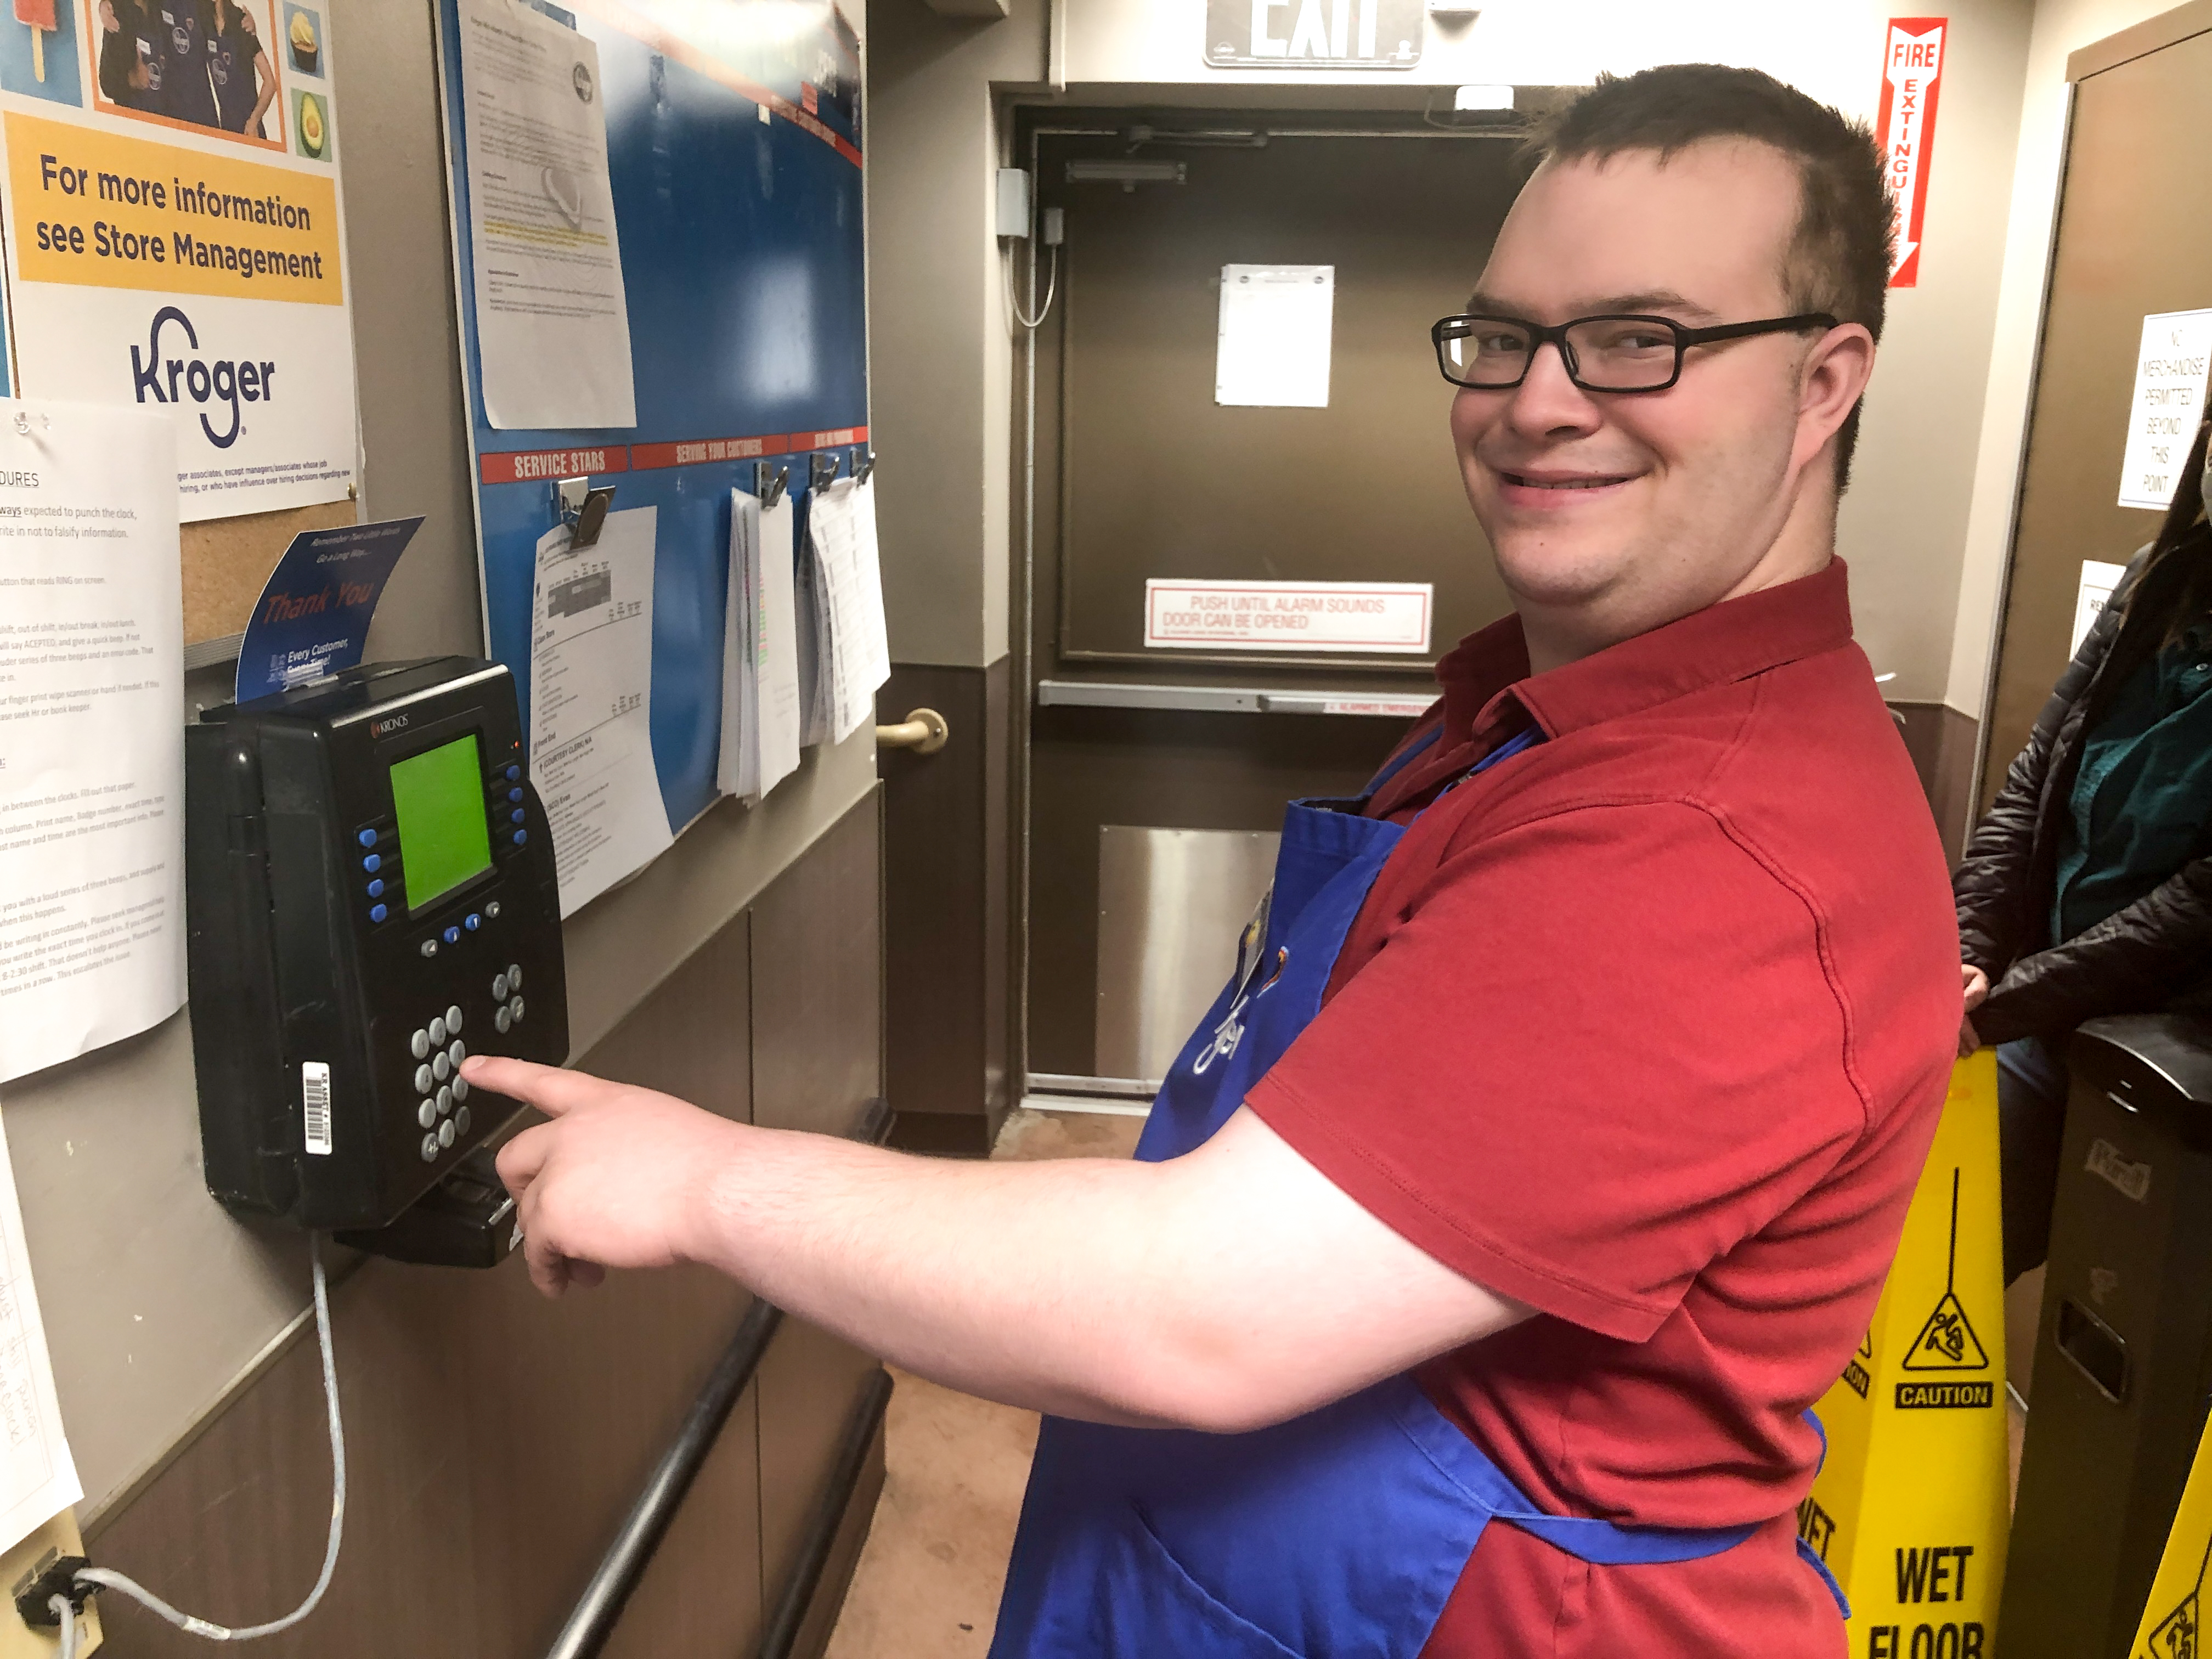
column 1834, row 379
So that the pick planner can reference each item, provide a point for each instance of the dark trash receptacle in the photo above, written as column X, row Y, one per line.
column 2122, row 1365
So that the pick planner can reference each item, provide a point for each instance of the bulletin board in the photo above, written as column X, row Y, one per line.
column 733, row 140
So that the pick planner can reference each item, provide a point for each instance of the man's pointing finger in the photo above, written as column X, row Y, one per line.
column 549, row 1089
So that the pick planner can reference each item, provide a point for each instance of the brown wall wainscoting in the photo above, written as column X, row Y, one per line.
column 1940, row 741
column 495, row 1440
column 947, row 901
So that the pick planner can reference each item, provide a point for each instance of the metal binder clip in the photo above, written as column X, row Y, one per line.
column 821, row 470
column 769, row 482
column 864, row 463
column 583, row 510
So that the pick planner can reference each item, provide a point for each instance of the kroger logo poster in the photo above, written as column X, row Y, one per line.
column 197, row 273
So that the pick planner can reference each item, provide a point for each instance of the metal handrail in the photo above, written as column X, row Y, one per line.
column 584, row 1634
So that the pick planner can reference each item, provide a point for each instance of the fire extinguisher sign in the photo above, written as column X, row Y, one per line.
column 1911, row 75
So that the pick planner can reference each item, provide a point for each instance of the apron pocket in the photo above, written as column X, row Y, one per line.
column 1159, row 1609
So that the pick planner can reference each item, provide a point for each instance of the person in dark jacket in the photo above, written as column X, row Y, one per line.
column 2086, row 888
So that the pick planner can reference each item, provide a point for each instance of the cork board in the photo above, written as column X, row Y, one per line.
column 226, row 559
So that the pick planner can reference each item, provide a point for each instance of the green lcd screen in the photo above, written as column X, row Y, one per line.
column 444, row 840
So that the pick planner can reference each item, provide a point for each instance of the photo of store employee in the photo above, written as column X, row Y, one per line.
column 2086, row 889
column 200, row 62
column 244, row 79
column 130, row 67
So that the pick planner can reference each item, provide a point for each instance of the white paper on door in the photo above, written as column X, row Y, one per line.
column 1274, row 336
column 552, row 321
column 590, row 683
column 2170, row 375
column 92, row 923
column 2099, row 578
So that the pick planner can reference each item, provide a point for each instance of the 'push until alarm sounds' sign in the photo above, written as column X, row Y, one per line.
column 1265, row 615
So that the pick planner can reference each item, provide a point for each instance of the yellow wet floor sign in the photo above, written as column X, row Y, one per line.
column 2173, row 1619
column 1910, row 1510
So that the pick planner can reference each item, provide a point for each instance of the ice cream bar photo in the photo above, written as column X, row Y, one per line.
column 40, row 15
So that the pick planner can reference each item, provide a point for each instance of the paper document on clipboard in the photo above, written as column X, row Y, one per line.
column 590, row 683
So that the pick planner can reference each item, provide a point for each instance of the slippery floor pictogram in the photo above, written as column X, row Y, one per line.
column 2179, row 1634
column 1946, row 1342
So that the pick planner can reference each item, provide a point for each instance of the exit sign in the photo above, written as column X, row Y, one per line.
column 1315, row 34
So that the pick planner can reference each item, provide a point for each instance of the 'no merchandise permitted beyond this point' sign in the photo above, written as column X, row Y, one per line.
column 1912, row 67
column 1264, row 616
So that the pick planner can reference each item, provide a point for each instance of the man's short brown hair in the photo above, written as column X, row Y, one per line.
column 1839, row 261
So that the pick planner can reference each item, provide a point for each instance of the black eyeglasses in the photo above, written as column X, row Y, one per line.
column 1602, row 353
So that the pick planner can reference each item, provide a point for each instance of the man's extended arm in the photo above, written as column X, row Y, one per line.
column 1225, row 1289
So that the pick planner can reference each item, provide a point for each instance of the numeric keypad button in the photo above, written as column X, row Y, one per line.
column 419, row 1044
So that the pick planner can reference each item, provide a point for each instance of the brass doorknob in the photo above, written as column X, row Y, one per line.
column 923, row 730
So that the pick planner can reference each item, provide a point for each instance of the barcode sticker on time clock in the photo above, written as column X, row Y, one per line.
column 315, row 1093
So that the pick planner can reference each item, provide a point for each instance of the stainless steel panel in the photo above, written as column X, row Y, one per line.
column 1171, row 903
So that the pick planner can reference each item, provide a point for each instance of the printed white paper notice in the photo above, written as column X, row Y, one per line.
column 1264, row 616
column 777, row 709
column 2099, row 579
column 840, row 521
column 760, row 648
column 2170, row 374
column 552, row 322
column 591, row 681
column 38, row 1476
column 1275, row 328
column 92, row 923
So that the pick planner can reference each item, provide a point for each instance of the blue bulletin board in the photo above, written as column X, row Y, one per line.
column 734, row 147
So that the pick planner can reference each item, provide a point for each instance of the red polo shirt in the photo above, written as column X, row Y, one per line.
column 1648, row 1027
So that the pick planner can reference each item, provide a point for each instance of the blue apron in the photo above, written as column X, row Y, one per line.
column 1337, row 1535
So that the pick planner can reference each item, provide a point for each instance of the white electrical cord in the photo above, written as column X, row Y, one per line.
column 1052, row 283
column 108, row 1578
column 59, row 1606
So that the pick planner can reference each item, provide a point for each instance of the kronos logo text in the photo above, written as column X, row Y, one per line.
column 173, row 380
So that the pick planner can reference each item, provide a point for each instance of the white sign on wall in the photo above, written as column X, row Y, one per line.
column 2170, row 375
column 1340, row 34
column 173, row 239
column 1265, row 615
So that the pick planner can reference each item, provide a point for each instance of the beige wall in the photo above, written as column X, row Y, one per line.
column 941, row 352
column 2062, row 26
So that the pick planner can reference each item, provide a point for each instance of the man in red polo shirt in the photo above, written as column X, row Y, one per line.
column 1543, row 1162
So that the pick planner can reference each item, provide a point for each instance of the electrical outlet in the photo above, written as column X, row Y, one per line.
column 60, row 1536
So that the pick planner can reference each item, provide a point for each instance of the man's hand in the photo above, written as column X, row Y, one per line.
column 1977, row 992
column 616, row 1180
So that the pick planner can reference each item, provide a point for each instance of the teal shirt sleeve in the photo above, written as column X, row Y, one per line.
column 2142, row 796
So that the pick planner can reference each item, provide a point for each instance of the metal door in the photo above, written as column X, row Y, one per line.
column 1141, row 474
column 2134, row 239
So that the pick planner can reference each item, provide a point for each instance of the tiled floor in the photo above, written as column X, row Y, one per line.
column 927, row 1584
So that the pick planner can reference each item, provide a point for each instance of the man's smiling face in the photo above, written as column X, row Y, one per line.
column 1645, row 507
